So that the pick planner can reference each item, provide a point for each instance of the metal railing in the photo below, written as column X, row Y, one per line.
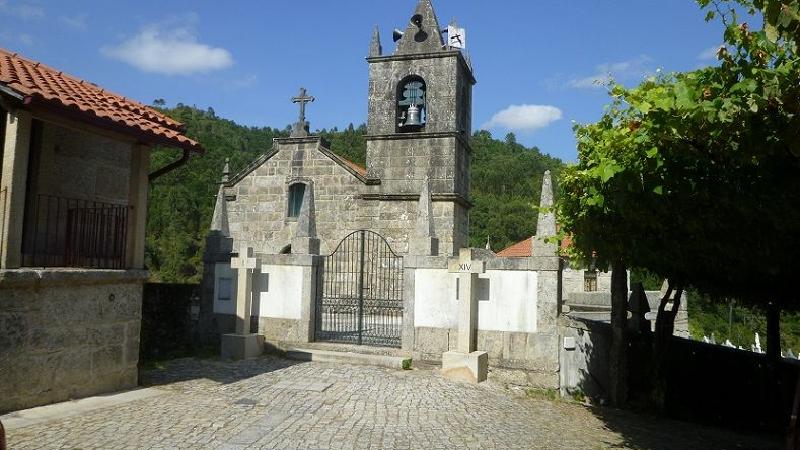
column 67, row 232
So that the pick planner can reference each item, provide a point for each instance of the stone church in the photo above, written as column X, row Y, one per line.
column 308, row 249
column 419, row 124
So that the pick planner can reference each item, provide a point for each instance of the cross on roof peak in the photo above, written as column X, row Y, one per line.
column 300, row 128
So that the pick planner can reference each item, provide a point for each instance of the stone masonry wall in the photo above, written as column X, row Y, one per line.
column 258, row 215
column 403, row 164
column 81, row 165
column 61, row 342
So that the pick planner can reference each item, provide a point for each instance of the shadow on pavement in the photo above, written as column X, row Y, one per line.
column 225, row 372
column 647, row 431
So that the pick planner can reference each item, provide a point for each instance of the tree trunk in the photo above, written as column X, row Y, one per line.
column 773, row 331
column 618, row 364
column 665, row 326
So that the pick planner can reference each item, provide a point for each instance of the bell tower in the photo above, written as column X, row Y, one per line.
column 419, row 123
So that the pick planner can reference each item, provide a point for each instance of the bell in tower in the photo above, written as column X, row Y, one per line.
column 411, row 105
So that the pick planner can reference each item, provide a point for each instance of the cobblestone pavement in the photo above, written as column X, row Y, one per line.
column 274, row 403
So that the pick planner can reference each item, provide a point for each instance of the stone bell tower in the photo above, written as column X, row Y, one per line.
column 419, row 123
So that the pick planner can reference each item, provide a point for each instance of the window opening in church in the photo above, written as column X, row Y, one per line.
column 412, row 111
column 590, row 281
column 296, row 192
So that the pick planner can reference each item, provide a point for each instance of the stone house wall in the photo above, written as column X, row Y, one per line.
column 75, row 164
column 573, row 281
column 67, row 334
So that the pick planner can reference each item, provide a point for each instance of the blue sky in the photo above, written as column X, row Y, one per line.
column 535, row 61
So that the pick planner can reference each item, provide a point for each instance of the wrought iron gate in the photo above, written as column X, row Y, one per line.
column 361, row 296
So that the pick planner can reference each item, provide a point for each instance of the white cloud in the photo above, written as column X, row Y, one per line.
column 524, row 117
column 21, row 9
column 169, row 51
column 632, row 69
column 709, row 54
column 76, row 22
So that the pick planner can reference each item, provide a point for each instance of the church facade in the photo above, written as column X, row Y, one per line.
column 419, row 124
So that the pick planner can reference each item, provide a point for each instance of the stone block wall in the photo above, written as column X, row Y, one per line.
column 403, row 162
column 258, row 215
column 343, row 203
column 86, row 166
column 67, row 334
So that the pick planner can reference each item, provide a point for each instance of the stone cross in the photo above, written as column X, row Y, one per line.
column 468, row 270
column 244, row 263
column 300, row 126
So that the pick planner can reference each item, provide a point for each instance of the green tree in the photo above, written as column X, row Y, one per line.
column 692, row 176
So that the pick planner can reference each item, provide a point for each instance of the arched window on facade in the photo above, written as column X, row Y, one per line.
column 412, row 106
column 296, row 192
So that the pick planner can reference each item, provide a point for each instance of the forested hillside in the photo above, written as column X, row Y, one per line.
column 506, row 183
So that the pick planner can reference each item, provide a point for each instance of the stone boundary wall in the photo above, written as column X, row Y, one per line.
column 524, row 353
column 67, row 334
column 704, row 383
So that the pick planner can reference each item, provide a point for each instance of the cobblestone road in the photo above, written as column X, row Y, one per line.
column 274, row 403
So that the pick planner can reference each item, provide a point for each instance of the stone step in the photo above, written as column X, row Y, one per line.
column 590, row 307
column 353, row 348
column 348, row 357
column 600, row 316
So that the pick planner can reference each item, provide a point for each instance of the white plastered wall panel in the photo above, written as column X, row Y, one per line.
column 512, row 301
column 280, row 290
column 435, row 303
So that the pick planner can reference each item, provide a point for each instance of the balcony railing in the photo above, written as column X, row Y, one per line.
column 65, row 232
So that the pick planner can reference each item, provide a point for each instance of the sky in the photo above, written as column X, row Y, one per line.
column 538, row 63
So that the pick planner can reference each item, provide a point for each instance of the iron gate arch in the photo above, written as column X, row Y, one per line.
column 360, row 299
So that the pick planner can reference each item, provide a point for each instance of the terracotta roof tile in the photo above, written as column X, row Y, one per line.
column 524, row 248
column 38, row 82
column 519, row 250
column 361, row 170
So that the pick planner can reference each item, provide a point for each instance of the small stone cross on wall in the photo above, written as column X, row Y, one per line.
column 468, row 269
column 245, row 263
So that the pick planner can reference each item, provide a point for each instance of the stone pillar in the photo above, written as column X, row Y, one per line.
column 547, row 261
column 16, row 148
column 424, row 242
column 137, row 200
column 465, row 363
column 243, row 344
column 305, row 240
column 218, row 249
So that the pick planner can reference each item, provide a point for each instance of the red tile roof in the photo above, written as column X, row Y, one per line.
column 43, row 85
column 361, row 170
column 524, row 248
column 519, row 250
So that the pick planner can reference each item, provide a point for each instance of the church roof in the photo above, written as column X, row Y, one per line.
column 357, row 170
column 524, row 248
column 40, row 85
column 361, row 170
